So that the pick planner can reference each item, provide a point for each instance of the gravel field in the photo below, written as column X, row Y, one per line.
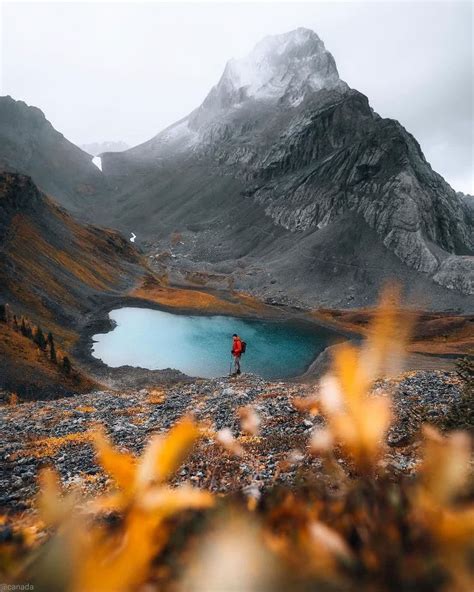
column 56, row 432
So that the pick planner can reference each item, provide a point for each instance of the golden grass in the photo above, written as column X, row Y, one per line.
column 156, row 396
column 433, row 333
column 182, row 298
column 33, row 366
column 89, row 255
column 43, row 447
column 86, row 409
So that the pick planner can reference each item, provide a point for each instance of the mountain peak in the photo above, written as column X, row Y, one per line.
column 300, row 40
column 288, row 65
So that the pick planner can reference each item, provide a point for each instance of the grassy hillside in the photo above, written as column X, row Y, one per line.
column 54, row 270
column 28, row 372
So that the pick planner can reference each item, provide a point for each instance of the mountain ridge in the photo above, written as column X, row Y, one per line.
column 53, row 271
column 30, row 145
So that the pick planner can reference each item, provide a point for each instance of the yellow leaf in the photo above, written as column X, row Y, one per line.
column 167, row 500
column 119, row 465
column 49, row 502
column 165, row 454
column 227, row 440
column 445, row 466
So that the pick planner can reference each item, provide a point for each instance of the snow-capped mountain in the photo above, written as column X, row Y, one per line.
column 284, row 166
column 285, row 181
column 281, row 70
column 281, row 67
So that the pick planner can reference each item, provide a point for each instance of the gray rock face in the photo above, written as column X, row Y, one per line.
column 300, row 150
column 456, row 273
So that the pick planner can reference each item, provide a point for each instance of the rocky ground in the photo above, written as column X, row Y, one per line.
column 57, row 432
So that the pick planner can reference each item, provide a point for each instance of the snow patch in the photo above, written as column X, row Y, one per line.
column 97, row 160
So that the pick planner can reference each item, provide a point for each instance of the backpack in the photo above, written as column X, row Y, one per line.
column 244, row 346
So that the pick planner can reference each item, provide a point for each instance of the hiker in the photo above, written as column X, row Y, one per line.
column 236, row 351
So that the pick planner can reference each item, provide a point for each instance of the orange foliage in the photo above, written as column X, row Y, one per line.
column 121, row 562
column 196, row 300
column 355, row 419
column 49, row 446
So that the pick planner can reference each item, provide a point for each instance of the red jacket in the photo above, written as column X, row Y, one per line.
column 236, row 347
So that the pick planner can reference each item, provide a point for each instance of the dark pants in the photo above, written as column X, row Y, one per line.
column 237, row 364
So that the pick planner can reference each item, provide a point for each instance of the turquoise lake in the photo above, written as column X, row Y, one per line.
column 200, row 345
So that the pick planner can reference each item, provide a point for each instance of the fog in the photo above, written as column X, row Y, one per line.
column 123, row 71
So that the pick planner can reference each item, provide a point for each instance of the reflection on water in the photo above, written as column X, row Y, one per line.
column 200, row 345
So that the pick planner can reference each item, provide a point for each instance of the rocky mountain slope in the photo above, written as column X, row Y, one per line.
column 285, row 171
column 30, row 145
column 54, row 271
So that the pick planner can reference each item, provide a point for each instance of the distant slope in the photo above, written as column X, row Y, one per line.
column 30, row 145
column 26, row 370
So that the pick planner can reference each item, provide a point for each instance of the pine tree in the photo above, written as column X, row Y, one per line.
column 461, row 414
column 39, row 338
column 52, row 349
column 3, row 313
column 23, row 327
column 66, row 365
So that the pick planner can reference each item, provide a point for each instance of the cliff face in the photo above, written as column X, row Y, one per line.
column 30, row 145
column 284, row 142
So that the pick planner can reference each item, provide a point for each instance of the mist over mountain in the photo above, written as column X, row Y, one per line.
column 288, row 173
column 96, row 148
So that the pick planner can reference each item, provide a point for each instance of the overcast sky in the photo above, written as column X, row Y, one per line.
column 124, row 71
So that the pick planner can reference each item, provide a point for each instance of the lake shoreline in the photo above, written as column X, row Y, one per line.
column 131, row 377
column 241, row 307
column 198, row 346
